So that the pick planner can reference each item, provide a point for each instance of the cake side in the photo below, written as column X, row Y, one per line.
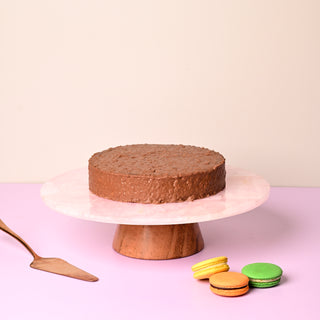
column 156, row 173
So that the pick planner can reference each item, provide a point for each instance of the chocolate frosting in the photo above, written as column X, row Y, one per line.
column 153, row 173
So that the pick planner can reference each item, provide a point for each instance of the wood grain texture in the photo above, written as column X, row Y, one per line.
column 158, row 242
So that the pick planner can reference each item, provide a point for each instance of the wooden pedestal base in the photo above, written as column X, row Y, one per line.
column 158, row 242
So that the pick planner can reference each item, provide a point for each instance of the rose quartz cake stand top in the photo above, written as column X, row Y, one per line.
column 70, row 195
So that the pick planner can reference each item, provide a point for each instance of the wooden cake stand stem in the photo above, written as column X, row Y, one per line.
column 158, row 242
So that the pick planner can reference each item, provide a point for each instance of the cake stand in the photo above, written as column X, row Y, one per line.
column 155, row 231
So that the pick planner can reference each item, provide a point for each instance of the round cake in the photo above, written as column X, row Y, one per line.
column 156, row 173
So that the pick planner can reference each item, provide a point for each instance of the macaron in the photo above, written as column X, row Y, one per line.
column 262, row 275
column 206, row 268
column 229, row 284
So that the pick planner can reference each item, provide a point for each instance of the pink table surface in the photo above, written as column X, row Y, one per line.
column 284, row 230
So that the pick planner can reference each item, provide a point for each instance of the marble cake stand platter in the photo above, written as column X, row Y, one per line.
column 155, row 231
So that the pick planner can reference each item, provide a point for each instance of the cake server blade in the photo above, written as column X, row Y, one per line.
column 62, row 267
column 53, row 265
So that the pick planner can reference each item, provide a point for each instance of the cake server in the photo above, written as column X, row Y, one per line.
column 53, row 265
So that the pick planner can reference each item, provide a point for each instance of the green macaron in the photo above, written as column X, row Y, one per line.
column 262, row 275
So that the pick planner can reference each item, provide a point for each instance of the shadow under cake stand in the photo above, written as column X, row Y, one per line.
column 155, row 231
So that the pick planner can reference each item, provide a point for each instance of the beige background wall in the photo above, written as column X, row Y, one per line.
column 241, row 77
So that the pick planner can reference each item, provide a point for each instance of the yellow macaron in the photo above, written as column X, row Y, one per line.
column 205, row 269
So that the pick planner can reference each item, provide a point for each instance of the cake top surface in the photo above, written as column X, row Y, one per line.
column 156, row 160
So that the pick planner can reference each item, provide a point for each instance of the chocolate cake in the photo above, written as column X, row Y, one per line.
column 155, row 173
